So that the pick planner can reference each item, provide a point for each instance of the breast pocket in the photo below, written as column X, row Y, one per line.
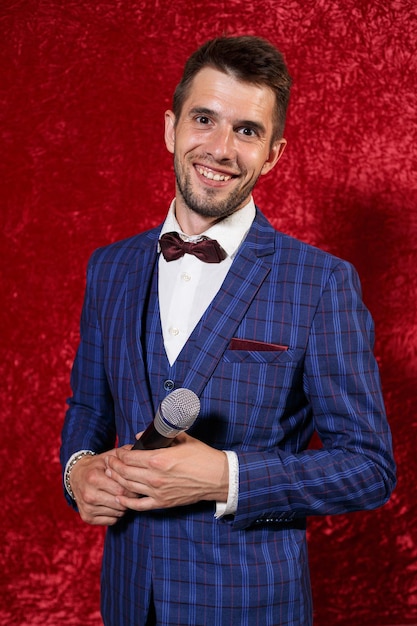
column 251, row 351
column 250, row 392
column 257, row 356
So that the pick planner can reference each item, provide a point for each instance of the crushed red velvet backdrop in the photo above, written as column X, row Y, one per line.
column 85, row 86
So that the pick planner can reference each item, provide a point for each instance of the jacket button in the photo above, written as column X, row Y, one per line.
column 169, row 385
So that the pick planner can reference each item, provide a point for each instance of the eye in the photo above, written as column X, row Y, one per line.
column 247, row 131
column 202, row 119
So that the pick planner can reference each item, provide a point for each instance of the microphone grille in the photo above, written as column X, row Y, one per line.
column 180, row 408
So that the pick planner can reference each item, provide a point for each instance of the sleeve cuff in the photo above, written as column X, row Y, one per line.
column 230, row 507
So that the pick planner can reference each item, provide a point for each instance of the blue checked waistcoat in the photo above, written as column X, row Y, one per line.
column 311, row 367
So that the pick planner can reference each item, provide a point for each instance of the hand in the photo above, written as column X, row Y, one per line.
column 186, row 472
column 95, row 492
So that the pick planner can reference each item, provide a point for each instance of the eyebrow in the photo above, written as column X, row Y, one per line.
column 258, row 126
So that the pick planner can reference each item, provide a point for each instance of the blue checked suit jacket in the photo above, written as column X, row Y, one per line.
column 284, row 349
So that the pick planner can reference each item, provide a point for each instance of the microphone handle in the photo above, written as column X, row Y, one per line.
column 152, row 440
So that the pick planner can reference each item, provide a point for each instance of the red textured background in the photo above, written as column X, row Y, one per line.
column 83, row 90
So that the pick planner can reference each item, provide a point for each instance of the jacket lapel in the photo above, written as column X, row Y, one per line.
column 247, row 273
column 138, row 285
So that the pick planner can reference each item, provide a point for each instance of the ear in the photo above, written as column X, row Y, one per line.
column 170, row 131
column 274, row 156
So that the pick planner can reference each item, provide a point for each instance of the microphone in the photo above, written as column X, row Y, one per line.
column 176, row 413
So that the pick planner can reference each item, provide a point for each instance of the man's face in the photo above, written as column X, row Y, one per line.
column 221, row 144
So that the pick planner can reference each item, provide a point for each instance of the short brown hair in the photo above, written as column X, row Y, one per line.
column 249, row 59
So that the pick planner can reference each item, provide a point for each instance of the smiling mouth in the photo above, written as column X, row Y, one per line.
column 212, row 175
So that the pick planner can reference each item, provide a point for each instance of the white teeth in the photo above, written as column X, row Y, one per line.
column 211, row 176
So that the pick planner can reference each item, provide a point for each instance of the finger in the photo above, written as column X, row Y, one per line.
column 101, row 503
column 130, row 479
column 106, row 517
column 101, row 486
column 128, row 488
column 134, row 458
column 127, row 466
column 139, row 504
column 105, row 521
column 111, row 482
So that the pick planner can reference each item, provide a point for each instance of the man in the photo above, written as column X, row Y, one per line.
column 275, row 341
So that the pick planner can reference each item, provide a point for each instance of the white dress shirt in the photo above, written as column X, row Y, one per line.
column 185, row 289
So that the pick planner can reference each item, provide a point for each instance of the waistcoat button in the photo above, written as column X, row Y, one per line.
column 169, row 385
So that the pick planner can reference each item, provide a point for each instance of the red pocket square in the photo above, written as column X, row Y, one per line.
column 256, row 346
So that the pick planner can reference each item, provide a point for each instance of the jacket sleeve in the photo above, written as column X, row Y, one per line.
column 355, row 468
column 89, row 422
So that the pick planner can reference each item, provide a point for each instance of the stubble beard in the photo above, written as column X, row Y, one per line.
column 209, row 205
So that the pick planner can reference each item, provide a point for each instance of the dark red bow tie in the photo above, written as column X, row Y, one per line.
column 207, row 250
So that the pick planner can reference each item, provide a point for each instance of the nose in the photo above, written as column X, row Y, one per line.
column 221, row 145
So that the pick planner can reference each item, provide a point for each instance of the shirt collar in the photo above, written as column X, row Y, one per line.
column 230, row 232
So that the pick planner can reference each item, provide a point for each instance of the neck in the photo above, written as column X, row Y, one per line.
column 192, row 223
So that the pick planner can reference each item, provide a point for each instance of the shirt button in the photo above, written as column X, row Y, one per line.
column 169, row 385
column 174, row 331
column 186, row 277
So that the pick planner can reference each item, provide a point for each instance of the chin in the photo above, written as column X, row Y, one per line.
column 210, row 208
